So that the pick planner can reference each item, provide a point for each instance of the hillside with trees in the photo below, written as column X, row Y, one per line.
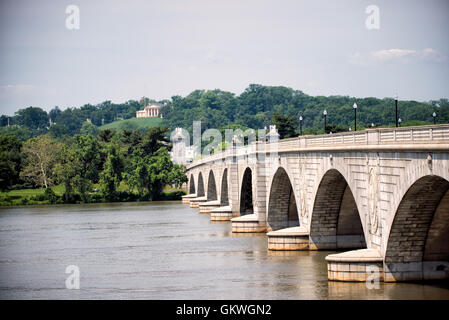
column 99, row 153
column 257, row 105
column 253, row 108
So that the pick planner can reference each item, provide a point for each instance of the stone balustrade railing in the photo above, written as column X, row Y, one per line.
column 422, row 135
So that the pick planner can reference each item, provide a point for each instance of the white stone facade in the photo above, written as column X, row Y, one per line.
column 150, row 111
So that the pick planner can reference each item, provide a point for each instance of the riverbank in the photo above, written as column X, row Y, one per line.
column 54, row 195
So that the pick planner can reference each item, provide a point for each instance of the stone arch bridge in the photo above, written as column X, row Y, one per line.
column 379, row 195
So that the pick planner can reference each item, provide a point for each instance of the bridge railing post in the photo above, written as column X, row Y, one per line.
column 373, row 136
column 302, row 142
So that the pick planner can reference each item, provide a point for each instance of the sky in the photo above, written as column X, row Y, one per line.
column 128, row 49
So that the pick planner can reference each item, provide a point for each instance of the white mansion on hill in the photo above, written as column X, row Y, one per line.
column 150, row 111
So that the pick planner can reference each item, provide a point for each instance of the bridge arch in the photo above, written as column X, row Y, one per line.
column 211, row 187
column 192, row 184
column 224, row 195
column 418, row 242
column 282, row 209
column 335, row 221
column 200, row 192
column 246, row 193
column 417, row 169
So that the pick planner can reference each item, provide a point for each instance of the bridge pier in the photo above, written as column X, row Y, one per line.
column 206, row 207
column 368, row 264
column 221, row 214
column 195, row 202
column 186, row 199
column 355, row 266
column 248, row 223
column 288, row 239
column 298, row 238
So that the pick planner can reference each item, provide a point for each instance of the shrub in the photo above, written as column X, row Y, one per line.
column 173, row 195
column 51, row 196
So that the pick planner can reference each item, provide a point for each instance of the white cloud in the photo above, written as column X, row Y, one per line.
column 408, row 55
column 396, row 56
column 393, row 54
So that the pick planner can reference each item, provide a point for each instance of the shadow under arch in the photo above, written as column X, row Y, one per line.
column 192, row 184
column 282, row 211
column 224, row 197
column 200, row 192
column 246, row 193
column 418, row 243
column 335, row 220
column 211, row 187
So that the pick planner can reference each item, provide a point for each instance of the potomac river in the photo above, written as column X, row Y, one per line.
column 162, row 250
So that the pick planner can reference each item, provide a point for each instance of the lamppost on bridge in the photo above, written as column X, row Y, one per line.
column 355, row 116
column 300, row 125
column 325, row 114
column 399, row 121
column 396, row 108
column 434, row 115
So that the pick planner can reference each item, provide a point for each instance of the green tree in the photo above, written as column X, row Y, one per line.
column 159, row 170
column 177, row 176
column 10, row 161
column 151, row 173
column 31, row 117
column 50, row 195
column 131, row 140
column 153, row 139
column 23, row 133
column 54, row 114
column 57, row 131
column 336, row 128
column 87, row 163
column 106, row 135
column 111, row 175
column 65, row 171
column 41, row 156
column 286, row 125
column 72, row 120
column 136, row 173
column 89, row 128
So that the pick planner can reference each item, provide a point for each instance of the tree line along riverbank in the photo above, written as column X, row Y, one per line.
column 43, row 196
column 86, row 168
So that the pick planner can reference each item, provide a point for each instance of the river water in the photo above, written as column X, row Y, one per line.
column 161, row 250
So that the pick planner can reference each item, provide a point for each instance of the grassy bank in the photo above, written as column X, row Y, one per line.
column 133, row 124
column 42, row 196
